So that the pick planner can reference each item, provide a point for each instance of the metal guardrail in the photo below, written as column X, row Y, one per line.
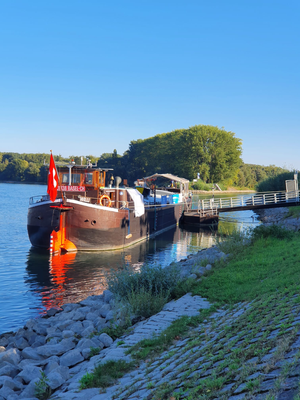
column 246, row 200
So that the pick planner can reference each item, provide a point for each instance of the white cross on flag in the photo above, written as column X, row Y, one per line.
column 52, row 180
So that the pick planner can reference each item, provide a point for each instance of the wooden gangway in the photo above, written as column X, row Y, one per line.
column 250, row 202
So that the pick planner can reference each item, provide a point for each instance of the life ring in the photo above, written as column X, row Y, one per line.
column 105, row 197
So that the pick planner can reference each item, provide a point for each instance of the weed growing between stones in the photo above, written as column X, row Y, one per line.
column 42, row 389
column 94, row 351
column 148, row 347
column 105, row 375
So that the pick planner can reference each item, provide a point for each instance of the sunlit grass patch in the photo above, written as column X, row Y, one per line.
column 271, row 263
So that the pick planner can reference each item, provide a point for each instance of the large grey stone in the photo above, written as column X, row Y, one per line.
column 55, row 380
column 81, row 313
column 52, row 312
column 108, row 296
column 70, row 307
column 109, row 316
column 3, row 341
column 5, row 392
column 89, row 323
column 47, row 360
column 52, row 365
column 41, row 329
column 56, row 349
column 86, row 353
column 76, row 327
column 85, row 343
column 99, row 323
column 9, row 369
column 62, row 325
column 71, row 358
column 88, row 331
column 31, row 354
column 91, row 316
column 106, row 339
column 29, row 391
column 53, row 331
column 29, row 373
column 104, row 310
column 7, row 381
column 67, row 333
column 12, row 356
column 38, row 341
column 30, row 336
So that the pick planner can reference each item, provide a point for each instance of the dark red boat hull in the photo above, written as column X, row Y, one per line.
column 99, row 228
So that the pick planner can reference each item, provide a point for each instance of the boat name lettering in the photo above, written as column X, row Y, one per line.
column 72, row 188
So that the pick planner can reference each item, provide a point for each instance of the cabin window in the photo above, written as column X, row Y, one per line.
column 65, row 178
column 101, row 179
column 76, row 178
column 88, row 180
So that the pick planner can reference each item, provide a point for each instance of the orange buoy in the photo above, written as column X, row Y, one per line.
column 107, row 198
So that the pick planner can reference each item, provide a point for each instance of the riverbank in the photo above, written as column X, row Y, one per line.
column 245, row 348
column 288, row 218
column 58, row 346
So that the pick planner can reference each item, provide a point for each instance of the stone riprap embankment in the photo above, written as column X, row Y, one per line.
column 59, row 344
column 278, row 216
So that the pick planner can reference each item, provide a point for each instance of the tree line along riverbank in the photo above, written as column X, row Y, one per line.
column 244, row 343
column 205, row 155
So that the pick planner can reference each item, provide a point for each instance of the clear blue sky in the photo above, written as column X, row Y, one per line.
column 87, row 77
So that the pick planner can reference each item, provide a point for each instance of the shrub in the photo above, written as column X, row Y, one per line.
column 42, row 389
column 200, row 185
column 153, row 279
column 145, row 303
column 146, row 291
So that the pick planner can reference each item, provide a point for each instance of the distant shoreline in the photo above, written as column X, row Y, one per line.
column 223, row 191
column 24, row 183
column 232, row 190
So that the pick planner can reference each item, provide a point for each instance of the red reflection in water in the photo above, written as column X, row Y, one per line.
column 59, row 265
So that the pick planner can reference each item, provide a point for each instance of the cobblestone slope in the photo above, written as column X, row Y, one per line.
column 250, row 351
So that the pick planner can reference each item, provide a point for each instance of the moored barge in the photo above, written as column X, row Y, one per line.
column 87, row 214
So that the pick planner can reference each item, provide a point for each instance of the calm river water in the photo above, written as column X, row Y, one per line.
column 31, row 283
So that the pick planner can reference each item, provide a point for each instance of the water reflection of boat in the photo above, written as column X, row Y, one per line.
column 200, row 228
column 71, row 277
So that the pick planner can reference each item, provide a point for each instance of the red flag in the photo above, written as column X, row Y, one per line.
column 52, row 180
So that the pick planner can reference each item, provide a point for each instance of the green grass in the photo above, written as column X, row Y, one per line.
column 105, row 375
column 293, row 212
column 266, row 266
